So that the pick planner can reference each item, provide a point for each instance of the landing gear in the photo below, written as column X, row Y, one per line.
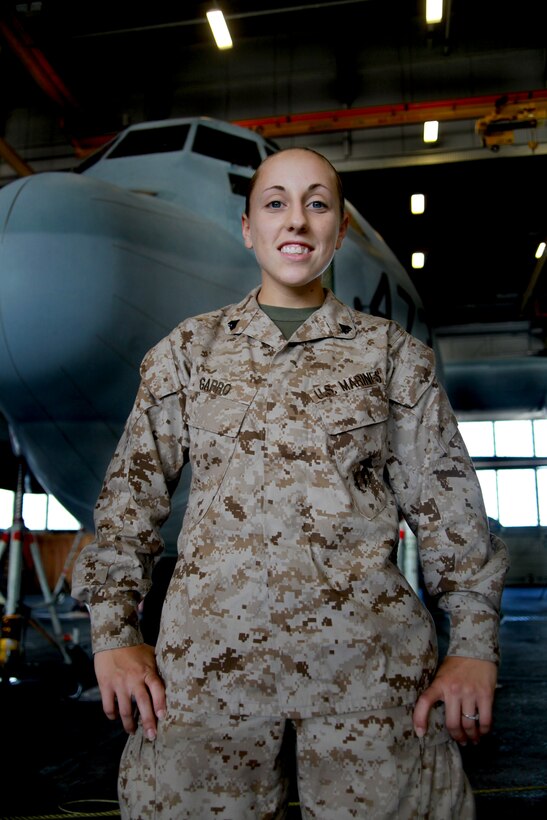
column 75, row 671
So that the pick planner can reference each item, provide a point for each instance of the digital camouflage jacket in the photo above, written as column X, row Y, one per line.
column 285, row 599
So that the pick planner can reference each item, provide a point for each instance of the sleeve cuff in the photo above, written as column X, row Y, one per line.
column 114, row 626
column 474, row 633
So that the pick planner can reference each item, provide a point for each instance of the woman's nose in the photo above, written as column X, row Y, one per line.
column 297, row 219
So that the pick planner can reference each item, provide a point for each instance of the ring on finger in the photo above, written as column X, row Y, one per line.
column 471, row 717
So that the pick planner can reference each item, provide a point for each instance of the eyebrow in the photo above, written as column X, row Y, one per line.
column 310, row 188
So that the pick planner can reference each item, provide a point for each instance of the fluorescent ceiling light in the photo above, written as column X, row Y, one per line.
column 431, row 131
column 540, row 250
column 418, row 260
column 433, row 11
column 219, row 28
column 417, row 203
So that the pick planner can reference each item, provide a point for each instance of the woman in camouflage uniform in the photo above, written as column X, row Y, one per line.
column 310, row 428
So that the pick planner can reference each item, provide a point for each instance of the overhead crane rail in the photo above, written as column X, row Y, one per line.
column 513, row 109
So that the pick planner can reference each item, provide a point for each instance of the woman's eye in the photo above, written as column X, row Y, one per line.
column 275, row 204
column 318, row 205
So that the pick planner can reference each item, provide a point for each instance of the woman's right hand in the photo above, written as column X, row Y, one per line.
column 129, row 683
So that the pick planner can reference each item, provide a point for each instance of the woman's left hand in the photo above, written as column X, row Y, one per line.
column 466, row 686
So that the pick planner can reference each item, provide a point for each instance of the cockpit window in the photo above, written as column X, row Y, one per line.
column 151, row 141
column 228, row 147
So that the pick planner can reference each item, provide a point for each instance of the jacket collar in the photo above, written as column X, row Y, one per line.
column 332, row 320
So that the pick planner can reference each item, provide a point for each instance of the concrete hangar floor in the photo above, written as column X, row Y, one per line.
column 60, row 754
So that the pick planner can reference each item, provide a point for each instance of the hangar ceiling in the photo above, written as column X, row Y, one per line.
column 72, row 76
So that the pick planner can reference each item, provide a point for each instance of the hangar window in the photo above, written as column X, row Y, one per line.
column 40, row 512
column 218, row 144
column 511, row 461
column 157, row 140
column 479, row 437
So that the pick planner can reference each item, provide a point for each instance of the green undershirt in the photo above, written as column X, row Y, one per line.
column 288, row 320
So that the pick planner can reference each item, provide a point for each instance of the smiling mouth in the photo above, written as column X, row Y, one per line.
column 298, row 250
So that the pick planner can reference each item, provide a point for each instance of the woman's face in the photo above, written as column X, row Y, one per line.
column 294, row 226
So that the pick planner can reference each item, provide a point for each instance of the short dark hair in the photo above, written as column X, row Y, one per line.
column 254, row 178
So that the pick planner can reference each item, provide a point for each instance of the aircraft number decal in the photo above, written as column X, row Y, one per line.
column 381, row 302
column 382, row 294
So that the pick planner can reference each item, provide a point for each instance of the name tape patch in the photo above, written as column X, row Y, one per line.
column 358, row 380
column 215, row 386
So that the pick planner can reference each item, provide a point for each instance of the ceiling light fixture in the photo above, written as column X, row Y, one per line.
column 433, row 11
column 418, row 260
column 431, row 131
column 417, row 203
column 219, row 27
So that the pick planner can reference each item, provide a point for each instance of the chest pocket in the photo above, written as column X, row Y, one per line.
column 214, row 423
column 216, row 414
column 355, row 425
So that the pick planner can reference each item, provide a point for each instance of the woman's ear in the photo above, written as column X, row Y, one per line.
column 343, row 230
column 246, row 231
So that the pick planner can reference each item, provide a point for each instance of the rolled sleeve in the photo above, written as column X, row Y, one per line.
column 439, row 494
column 113, row 573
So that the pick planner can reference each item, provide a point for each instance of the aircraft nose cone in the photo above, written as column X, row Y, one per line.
column 91, row 276
column 57, row 274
